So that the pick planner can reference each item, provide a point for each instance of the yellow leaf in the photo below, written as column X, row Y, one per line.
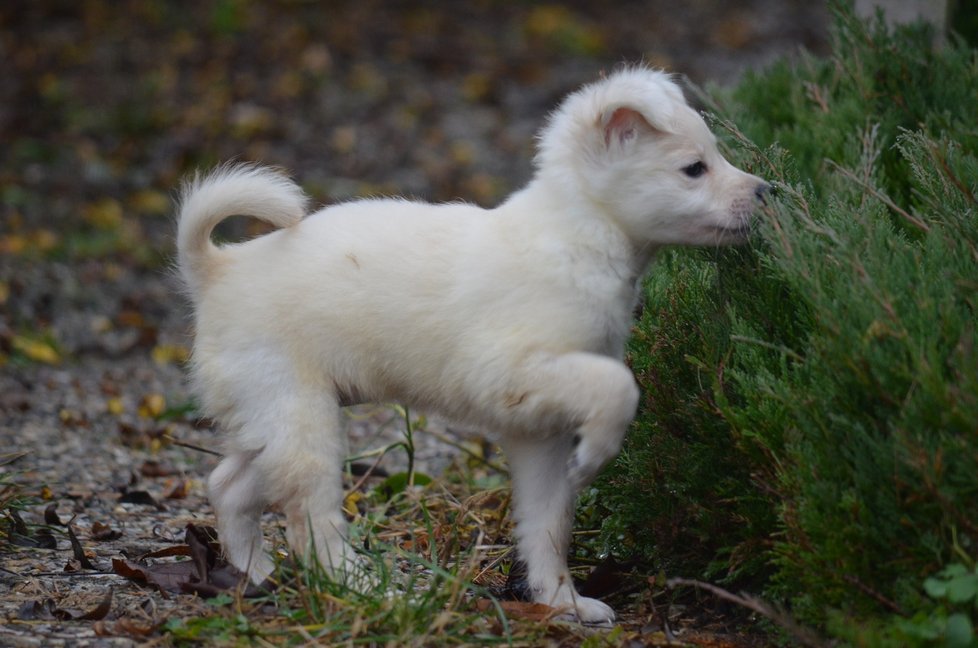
column 476, row 86
column 105, row 214
column 36, row 350
column 71, row 417
column 45, row 240
column 350, row 503
column 150, row 201
column 12, row 244
column 152, row 405
column 163, row 354
column 564, row 29
column 4, row 292
column 114, row 406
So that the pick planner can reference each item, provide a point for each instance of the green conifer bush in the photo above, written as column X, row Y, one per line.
column 809, row 422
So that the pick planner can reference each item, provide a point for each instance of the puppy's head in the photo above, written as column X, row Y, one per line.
column 632, row 148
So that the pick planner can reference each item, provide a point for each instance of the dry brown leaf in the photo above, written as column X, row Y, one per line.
column 104, row 533
column 178, row 489
column 520, row 609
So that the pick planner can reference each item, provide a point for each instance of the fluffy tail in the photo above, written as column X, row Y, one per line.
column 230, row 190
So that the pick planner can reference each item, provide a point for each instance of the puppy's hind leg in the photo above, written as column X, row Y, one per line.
column 303, row 465
column 543, row 507
column 236, row 493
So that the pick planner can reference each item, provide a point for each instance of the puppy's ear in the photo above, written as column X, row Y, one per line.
column 622, row 124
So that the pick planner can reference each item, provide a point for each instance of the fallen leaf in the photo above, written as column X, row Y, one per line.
column 36, row 610
column 152, row 468
column 207, row 573
column 12, row 244
column 72, row 417
column 78, row 551
column 140, row 497
column 20, row 535
column 130, row 318
column 105, row 214
column 149, row 201
column 36, row 350
column 104, row 533
column 48, row 609
column 152, row 405
column 350, row 503
column 51, row 515
column 127, row 627
column 164, row 354
column 143, row 575
column 520, row 609
column 114, row 406
column 177, row 490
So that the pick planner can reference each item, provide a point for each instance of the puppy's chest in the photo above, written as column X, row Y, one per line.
column 607, row 301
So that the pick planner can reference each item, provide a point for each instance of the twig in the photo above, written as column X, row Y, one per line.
column 369, row 471
column 183, row 444
column 870, row 592
column 804, row 636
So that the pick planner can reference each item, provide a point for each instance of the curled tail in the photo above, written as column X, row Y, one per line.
column 230, row 190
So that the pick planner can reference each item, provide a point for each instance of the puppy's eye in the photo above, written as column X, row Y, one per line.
column 695, row 170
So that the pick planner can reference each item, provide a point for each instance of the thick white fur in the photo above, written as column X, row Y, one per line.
column 513, row 319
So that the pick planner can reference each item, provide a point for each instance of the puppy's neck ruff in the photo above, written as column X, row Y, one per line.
column 558, row 210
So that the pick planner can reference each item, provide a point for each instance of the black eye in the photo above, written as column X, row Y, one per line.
column 695, row 170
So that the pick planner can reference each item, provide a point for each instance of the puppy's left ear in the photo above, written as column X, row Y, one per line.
column 622, row 124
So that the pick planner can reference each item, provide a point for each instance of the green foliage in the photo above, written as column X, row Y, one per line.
column 811, row 403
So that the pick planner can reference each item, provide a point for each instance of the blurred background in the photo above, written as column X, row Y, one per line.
column 102, row 104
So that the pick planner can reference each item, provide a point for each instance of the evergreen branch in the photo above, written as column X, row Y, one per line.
column 767, row 345
column 955, row 180
column 883, row 198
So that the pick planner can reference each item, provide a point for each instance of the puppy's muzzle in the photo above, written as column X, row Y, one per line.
column 761, row 192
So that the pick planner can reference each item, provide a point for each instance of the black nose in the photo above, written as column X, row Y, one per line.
column 761, row 191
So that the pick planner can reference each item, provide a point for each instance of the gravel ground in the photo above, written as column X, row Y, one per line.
column 103, row 109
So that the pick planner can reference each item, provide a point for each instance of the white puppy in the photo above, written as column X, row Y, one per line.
column 512, row 319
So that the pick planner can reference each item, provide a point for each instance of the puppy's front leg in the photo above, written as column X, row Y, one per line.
column 569, row 415
column 543, row 507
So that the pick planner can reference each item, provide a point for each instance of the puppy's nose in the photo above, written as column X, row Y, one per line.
column 761, row 191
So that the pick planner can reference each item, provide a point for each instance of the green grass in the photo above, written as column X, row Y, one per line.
column 433, row 560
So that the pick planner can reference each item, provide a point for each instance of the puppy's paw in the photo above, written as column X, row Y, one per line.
column 574, row 607
column 258, row 569
column 589, row 611
column 586, row 461
column 358, row 574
